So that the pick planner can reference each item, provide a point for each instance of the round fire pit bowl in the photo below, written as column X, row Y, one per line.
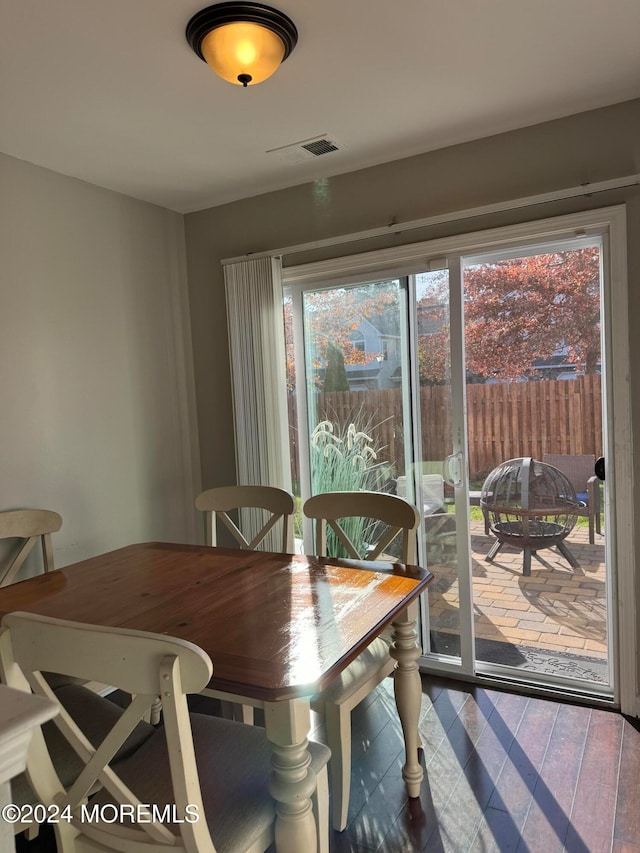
column 530, row 505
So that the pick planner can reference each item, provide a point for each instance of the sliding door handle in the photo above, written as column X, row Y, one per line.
column 452, row 470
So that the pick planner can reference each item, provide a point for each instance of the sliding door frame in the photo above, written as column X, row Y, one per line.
column 610, row 224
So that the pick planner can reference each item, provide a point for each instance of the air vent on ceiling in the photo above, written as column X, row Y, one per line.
column 320, row 147
column 307, row 149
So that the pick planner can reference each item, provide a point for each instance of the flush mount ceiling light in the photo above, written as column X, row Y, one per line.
column 244, row 43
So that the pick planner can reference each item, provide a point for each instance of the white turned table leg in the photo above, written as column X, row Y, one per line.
column 292, row 781
column 408, row 692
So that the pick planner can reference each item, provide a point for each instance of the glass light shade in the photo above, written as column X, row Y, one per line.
column 243, row 48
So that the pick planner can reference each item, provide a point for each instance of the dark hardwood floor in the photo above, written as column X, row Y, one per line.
column 503, row 772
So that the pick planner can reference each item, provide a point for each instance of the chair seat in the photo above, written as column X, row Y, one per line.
column 237, row 803
column 97, row 716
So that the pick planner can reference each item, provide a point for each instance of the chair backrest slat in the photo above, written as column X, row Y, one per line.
column 97, row 759
column 218, row 503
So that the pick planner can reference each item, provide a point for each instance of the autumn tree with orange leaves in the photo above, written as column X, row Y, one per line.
column 330, row 318
column 519, row 311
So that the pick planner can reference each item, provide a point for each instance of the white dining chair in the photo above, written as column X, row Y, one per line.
column 31, row 525
column 399, row 519
column 278, row 505
column 193, row 764
column 28, row 525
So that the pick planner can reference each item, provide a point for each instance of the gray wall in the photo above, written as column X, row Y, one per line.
column 588, row 147
column 95, row 363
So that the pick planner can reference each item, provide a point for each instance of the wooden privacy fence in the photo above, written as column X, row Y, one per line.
column 504, row 420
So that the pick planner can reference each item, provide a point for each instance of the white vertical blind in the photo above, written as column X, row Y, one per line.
column 257, row 352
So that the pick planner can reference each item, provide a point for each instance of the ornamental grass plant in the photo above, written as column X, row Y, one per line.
column 344, row 458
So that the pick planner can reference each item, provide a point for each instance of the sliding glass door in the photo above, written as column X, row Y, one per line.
column 352, row 418
column 534, row 389
column 425, row 384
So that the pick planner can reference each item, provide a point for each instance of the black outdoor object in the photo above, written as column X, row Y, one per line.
column 530, row 505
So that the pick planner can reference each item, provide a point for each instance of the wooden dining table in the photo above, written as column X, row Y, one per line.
column 278, row 628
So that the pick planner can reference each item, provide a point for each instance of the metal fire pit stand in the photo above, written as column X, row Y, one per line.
column 530, row 505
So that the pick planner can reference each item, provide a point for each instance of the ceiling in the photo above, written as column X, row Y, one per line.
column 110, row 92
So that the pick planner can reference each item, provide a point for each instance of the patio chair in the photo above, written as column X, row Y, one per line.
column 579, row 471
column 399, row 518
column 193, row 765
column 432, row 483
